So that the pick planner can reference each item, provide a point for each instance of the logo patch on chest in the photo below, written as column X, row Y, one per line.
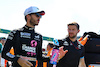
column 25, row 35
column 37, row 37
column 66, row 43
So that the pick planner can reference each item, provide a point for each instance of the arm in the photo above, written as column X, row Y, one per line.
column 39, row 49
column 82, row 63
column 8, row 56
column 62, row 52
column 8, row 45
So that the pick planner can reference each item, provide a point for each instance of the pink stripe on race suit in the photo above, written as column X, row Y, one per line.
column 28, row 58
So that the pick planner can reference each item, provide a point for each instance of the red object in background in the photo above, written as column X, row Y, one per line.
column 43, row 49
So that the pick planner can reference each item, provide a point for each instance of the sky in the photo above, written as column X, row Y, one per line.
column 58, row 13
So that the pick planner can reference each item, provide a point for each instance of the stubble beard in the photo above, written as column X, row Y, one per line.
column 72, row 37
column 32, row 22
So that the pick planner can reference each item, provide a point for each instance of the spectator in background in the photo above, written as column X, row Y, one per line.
column 49, row 49
column 2, row 42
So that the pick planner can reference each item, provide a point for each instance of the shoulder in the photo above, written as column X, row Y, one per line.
column 17, row 30
column 38, row 34
column 63, row 42
column 38, row 37
column 13, row 33
column 20, row 29
column 64, row 39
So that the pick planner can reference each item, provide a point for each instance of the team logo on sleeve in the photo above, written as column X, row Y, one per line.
column 11, row 35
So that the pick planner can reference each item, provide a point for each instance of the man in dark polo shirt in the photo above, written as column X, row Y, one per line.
column 75, row 55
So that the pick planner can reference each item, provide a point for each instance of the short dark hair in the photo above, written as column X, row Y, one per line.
column 2, row 38
column 51, row 45
column 25, row 19
column 74, row 23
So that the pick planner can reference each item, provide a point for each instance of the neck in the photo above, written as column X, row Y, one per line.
column 29, row 25
column 73, row 39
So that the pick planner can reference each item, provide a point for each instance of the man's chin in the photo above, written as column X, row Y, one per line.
column 72, row 36
column 35, row 24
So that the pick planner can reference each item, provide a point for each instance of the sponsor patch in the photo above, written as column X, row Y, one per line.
column 25, row 35
column 66, row 43
column 28, row 48
column 79, row 46
column 37, row 37
column 10, row 55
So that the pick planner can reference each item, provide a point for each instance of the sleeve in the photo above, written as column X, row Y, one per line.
column 83, row 52
column 39, row 49
column 8, row 45
column 60, row 43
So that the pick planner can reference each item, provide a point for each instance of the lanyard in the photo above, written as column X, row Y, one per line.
column 75, row 46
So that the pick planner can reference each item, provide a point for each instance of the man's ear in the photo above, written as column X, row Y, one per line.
column 78, row 31
column 28, row 17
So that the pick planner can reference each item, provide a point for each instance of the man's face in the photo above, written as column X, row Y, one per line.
column 34, row 20
column 3, row 41
column 72, row 31
column 48, row 47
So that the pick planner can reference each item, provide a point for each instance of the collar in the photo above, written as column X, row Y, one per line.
column 29, row 28
column 68, row 40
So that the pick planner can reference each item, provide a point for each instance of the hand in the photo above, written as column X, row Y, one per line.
column 62, row 52
column 24, row 63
